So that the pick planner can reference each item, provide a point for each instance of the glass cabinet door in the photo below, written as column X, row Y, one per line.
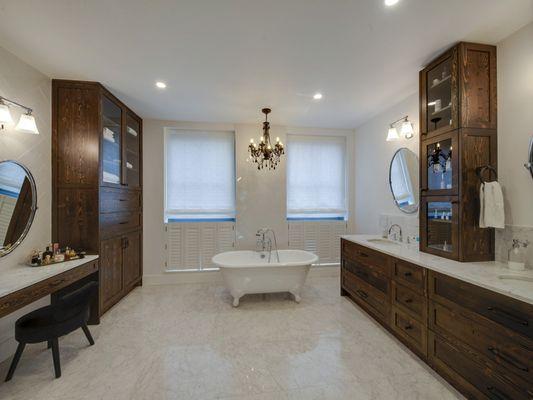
column 111, row 143
column 440, row 95
column 440, row 226
column 440, row 173
column 132, row 151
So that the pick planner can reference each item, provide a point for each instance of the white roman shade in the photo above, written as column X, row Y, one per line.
column 316, row 177
column 199, row 175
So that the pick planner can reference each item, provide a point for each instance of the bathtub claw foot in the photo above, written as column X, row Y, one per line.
column 297, row 297
column 236, row 302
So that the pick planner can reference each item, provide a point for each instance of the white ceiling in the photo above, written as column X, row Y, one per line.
column 224, row 60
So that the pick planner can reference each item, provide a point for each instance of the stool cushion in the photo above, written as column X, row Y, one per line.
column 43, row 324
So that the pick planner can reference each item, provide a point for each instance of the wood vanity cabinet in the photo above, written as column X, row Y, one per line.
column 458, row 109
column 97, row 182
column 478, row 340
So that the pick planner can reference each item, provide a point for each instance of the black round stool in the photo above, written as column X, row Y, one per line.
column 48, row 323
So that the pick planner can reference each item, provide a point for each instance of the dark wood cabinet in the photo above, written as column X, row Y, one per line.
column 478, row 340
column 458, row 134
column 97, row 182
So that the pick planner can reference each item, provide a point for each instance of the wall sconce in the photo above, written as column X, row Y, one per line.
column 406, row 129
column 26, row 122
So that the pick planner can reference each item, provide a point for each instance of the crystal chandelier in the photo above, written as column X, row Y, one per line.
column 264, row 154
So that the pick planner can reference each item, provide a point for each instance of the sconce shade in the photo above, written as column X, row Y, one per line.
column 5, row 115
column 393, row 134
column 407, row 130
column 27, row 124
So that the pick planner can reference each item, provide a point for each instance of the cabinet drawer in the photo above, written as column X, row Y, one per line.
column 367, row 256
column 371, row 299
column 505, row 311
column 412, row 302
column 369, row 274
column 113, row 224
column 116, row 200
column 409, row 275
column 472, row 378
column 513, row 353
column 410, row 330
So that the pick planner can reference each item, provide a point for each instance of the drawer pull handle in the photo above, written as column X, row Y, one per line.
column 122, row 200
column 362, row 254
column 408, row 327
column 407, row 274
column 408, row 301
column 509, row 317
column 362, row 294
column 497, row 394
column 508, row 359
column 123, row 223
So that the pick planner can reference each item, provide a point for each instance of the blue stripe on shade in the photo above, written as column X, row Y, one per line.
column 175, row 220
column 316, row 219
column 9, row 193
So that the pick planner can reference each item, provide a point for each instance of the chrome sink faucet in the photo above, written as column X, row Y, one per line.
column 266, row 243
column 397, row 235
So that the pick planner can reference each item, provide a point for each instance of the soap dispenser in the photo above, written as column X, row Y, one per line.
column 517, row 255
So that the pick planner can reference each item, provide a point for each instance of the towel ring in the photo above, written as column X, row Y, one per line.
column 481, row 170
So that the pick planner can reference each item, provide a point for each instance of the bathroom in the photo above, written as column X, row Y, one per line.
column 205, row 276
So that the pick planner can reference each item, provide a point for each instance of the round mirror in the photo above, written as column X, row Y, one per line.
column 403, row 179
column 18, row 203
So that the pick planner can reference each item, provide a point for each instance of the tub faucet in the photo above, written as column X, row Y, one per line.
column 266, row 242
column 396, row 237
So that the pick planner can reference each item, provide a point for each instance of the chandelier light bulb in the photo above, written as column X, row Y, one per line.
column 251, row 140
column 277, row 139
column 262, row 139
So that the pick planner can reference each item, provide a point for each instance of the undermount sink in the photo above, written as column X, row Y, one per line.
column 382, row 241
column 516, row 278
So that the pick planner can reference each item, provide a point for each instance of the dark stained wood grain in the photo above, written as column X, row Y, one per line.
column 511, row 314
column 132, row 256
column 478, row 86
column 410, row 329
column 77, row 219
column 475, row 145
column 410, row 275
column 411, row 302
column 511, row 352
column 369, row 274
column 111, row 276
column 88, row 213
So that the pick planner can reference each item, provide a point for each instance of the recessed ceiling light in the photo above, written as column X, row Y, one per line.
column 161, row 85
column 391, row 2
column 317, row 96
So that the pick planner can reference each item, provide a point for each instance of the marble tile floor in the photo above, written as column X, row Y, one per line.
column 188, row 342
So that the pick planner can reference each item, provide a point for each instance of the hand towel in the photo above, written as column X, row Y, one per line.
column 491, row 212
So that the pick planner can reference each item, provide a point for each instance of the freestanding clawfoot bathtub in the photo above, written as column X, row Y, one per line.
column 246, row 272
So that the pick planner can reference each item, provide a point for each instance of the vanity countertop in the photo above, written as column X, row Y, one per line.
column 21, row 276
column 483, row 274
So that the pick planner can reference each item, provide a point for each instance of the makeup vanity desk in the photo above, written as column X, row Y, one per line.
column 22, row 285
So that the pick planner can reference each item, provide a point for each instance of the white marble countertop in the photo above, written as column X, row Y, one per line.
column 483, row 274
column 21, row 276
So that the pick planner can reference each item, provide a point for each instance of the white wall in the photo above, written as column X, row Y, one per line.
column 261, row 195
column 515, row 123
column 372, row 159
column 22, row 83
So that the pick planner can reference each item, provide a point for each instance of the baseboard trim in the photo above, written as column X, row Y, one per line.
column 213, row 276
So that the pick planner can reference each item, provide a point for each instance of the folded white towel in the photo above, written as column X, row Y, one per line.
column 491, row 212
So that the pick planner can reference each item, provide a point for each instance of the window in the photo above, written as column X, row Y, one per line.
column 199, row 176
column 316, row 177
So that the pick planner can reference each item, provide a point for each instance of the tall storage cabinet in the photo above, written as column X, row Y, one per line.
column 97, row 182
column 458, row 107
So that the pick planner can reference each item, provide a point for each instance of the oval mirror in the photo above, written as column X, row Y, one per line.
column 403, row 180
column 18, row 203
